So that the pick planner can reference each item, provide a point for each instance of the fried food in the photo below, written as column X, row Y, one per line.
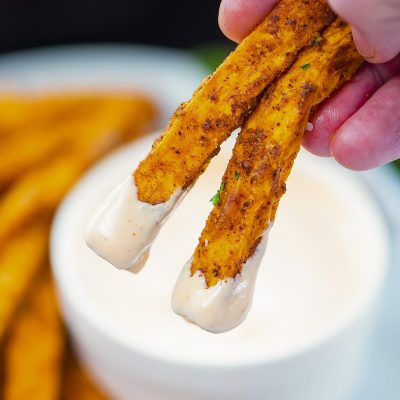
column 77, row 384
column 46, row 145
column 62, row 125
column 20, row 261
column 43, row 188
column 35, row 192
column 24, row 110
column 19, row 110
column 35, row 347
column 267, row 145
column 224, row 99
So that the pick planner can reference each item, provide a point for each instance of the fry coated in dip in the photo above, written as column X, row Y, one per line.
column 254, row 182
column 198, row 128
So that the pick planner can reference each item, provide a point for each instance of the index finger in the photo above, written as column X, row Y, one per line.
column 237, row 18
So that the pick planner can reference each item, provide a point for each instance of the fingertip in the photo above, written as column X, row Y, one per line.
column 371, row 137
column 228, row 18
column 345, row 151
column 363, row 46
column 312, row 145
column 374, row 55
column 337, row 133
column 375, row 27
column 317, row 140
column 237, row 18
column 326, row 121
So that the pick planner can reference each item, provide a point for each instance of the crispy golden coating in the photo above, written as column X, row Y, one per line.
column 21, row 259
column 77, row 385
column 254, row 180
column 219, row 106
column 35, row 347
column 63, row 124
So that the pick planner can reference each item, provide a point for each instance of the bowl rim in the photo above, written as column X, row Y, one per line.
column 72, row 295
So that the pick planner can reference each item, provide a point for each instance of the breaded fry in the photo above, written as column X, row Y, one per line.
column 77, row 385
column 44, row 187
column 254, row 180
column 224, row 99
column 31, row 145
column 35, row 347
column 20, row 261
column 24, row 110
column 113, row 125
column 24, row 150
column 37, row 191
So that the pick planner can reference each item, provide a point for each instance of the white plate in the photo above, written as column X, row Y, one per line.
column 170, row 76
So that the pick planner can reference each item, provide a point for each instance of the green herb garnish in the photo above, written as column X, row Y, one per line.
column 305, row 66
column 236, row 175
column 216, row 199
column 318, row 40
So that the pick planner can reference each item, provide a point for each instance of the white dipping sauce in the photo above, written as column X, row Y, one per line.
column 123, row 228
column 312, row 270
column 122, row 231
column 224, row 306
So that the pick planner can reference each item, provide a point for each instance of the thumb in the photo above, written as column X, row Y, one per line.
column 376, row 26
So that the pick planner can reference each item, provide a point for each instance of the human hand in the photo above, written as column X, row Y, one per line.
column 360, row 125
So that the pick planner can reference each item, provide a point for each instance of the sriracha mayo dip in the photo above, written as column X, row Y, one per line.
column 322, row 252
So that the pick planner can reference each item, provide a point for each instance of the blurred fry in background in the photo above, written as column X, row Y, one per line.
column 47, row 141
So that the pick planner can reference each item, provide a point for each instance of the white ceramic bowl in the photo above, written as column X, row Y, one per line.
column 169, row 76
column 322, row 365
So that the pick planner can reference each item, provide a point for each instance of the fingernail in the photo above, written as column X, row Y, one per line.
column 363, row 47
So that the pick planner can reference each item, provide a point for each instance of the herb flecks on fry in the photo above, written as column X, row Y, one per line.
column 224, row 99
column 264, row 154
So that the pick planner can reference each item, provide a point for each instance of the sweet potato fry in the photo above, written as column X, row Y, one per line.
column 44, row 187
column 19, row 111
column 24, row 110
column 77, row 384
column 221, row 103
column 254, row 180
column 40, row 190
column 20, row 261
column 35, row 346
column 32, row 144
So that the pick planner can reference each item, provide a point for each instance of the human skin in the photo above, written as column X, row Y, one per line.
column 360, row 125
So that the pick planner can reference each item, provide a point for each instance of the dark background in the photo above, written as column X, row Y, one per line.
column 33, row 23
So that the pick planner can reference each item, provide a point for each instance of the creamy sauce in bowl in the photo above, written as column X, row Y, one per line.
column 326, row 254
column 122, row 231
